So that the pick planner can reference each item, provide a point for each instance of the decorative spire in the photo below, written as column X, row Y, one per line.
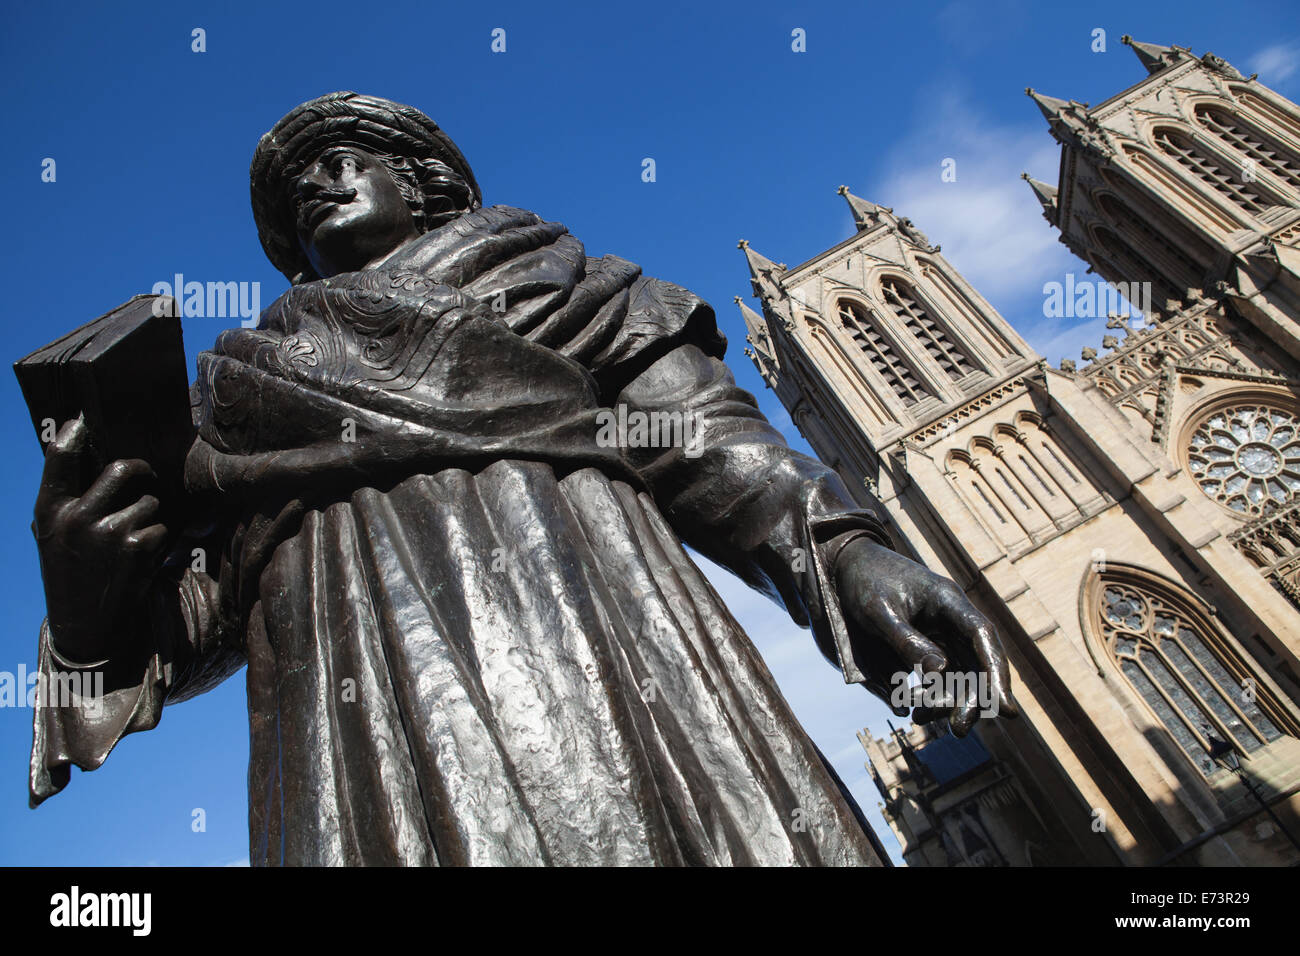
column 865, row 213
column 1153, row 56
column 761, row 352
column 754, row 323
column 764, row 274
column 1050, row 106
column 765, row 277
column 1070, row 122
column 1046, row 196
column 760, row 266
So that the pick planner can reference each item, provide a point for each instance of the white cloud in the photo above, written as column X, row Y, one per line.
column 988, row 222
column 1275, row 63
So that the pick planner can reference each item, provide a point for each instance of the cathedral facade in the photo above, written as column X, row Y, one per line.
column 1130, row 521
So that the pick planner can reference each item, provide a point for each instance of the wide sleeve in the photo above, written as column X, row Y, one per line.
column 735, row 491
column 173, row 647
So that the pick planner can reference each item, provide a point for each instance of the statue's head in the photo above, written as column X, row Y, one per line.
column 346, row 178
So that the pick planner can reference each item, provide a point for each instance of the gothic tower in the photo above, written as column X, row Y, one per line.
column 1132, row 525
column 1190, row 181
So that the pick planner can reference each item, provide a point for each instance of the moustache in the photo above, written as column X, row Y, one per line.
column 308, row 208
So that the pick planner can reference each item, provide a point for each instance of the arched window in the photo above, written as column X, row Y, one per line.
column 1247, row 139
column 884, row 358
column 1047, row 489
column 1281, row 118
column 971, row 481
column 990, row 480
column 1185, row 270
column 1240, row 190
column 1129, row 265
column 1152, row 217
column 951, row 357
column 1055, row 456
column 1170, row 653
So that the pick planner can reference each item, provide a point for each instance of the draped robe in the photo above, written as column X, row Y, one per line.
column 472, row 633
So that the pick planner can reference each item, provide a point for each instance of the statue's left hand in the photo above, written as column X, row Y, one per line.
column 904, row 615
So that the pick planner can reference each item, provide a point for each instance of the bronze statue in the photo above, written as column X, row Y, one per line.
column 472, row 633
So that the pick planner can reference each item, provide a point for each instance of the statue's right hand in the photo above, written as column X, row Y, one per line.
column 98, row 545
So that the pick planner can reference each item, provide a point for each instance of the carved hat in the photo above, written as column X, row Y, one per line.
column 338, row 119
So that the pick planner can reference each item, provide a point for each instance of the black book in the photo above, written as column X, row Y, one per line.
column 126, row 372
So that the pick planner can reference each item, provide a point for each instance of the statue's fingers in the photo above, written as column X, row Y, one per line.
column 926, row 715
column 981, row 647
column 877, row 661
column 892, row 654
column 61, row 476
column 147, row 540
column 912, row 646
column 132, row 517
column 993, row 660
column 119, row 483
column 966, row 712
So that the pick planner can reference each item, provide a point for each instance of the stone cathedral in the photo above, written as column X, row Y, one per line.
column 1131, row 521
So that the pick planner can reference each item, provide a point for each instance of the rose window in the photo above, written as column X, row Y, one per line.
column 1247, row 457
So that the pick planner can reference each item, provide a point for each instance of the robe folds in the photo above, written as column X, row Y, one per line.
column 472, row 633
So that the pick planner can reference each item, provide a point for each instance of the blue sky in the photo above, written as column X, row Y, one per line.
column 750, row 139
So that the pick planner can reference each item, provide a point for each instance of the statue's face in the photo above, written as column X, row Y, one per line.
column 349, row 211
